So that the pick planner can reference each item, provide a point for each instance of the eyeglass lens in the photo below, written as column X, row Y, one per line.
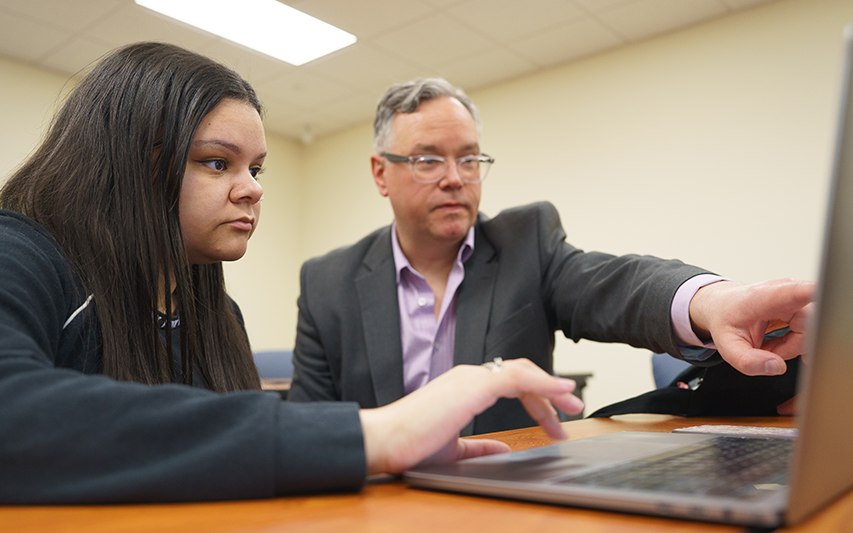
column 433, row 168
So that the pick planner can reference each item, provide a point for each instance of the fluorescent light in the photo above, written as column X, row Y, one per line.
column 267, row 26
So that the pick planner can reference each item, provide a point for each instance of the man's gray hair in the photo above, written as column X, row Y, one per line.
column 406, row 98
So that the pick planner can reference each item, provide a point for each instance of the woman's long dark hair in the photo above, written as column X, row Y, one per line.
column 105, row 182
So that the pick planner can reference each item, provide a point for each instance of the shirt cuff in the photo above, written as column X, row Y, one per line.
column 692, row 349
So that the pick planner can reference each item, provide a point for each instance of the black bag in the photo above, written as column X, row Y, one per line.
column 718, row 390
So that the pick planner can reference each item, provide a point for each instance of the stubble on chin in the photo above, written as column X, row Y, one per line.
column 452, row 227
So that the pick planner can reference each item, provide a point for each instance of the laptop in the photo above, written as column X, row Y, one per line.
column 785, row 480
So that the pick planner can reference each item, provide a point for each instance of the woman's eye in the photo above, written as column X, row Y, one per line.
column 215, row 164
column 256, row 171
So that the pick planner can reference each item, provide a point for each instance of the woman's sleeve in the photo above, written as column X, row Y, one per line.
column 68, row 437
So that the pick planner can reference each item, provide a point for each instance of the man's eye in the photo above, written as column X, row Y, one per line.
column 470, row 162
column 430, row 161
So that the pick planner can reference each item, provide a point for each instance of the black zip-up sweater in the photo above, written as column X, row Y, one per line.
column 71, row 435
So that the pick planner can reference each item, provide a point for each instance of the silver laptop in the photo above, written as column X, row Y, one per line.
column 785, row 480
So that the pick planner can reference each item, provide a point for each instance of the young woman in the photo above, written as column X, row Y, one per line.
column 116, row 333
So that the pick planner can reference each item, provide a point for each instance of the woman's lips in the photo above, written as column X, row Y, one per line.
column 244, row 224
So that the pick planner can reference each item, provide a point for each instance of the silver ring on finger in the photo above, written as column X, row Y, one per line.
column 494, row 365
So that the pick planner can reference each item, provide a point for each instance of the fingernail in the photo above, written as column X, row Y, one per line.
column 569, row 385
column 578, row 404
column 773, row 367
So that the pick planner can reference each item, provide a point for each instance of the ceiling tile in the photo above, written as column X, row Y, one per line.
column 278, row 116
column 508, row 19
column 252, row 65
column 364, row 18
column 743, row 4
column 442, row 3
column 594, row 6
column 272, row 101
column 355, row 107
column 292, row 125
column 321, row 127
column 72, row 16
column 362, row 65
column 75, row 56
column 471, row 42
column 133, row 23
column 488, row 67
column 645, row 18
column 26, row 40
column 565, row 43
column 432, row 41
column 301, row 86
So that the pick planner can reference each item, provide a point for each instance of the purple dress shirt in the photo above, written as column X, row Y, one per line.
column 428, row 343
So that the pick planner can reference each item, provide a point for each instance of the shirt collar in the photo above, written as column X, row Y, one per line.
column 402, row 262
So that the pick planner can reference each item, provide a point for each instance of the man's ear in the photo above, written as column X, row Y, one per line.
column 377, row 166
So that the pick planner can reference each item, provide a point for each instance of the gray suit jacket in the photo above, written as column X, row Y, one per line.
column 522, row 283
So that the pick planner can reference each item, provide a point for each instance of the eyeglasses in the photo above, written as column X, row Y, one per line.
column 432, row 168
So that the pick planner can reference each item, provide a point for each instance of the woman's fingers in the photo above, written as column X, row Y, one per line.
column 541, row 410
column 447, row 404
column 537, row 391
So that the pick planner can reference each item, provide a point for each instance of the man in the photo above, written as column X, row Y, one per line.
column 446, row 285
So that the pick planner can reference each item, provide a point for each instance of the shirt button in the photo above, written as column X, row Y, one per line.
column 421, row 302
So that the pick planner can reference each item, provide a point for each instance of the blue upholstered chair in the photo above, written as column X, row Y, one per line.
column 665, row 368
column 274, row 364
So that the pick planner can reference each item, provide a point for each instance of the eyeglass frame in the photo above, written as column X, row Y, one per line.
column 412, row 159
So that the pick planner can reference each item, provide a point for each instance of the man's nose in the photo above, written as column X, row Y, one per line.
column 451, row 179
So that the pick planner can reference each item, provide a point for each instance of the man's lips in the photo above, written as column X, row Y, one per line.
column 453, row 206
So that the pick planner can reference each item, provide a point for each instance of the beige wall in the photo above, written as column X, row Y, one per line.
column 711, row 145
column 266, row 282
column 28, row 99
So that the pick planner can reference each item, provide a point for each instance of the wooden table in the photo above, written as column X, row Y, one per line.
column 389, row 505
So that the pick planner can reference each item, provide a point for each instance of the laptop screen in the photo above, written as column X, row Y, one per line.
column 823, row 464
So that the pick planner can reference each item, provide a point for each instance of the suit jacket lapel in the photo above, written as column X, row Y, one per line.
column 473, row 306
column 474, row 301
column 380, row 314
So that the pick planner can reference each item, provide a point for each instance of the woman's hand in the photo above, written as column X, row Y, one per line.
column 426, row 424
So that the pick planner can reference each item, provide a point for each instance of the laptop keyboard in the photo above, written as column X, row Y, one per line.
column 721, row 466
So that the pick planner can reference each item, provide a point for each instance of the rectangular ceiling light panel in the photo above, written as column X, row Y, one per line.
column 267, row 26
